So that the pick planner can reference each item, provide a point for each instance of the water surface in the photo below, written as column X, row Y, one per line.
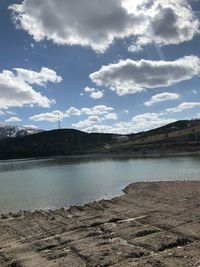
column 53, row 183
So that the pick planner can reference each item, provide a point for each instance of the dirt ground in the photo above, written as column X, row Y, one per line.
column 151, row 225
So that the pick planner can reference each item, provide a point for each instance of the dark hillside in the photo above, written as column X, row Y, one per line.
column 180, row 136
column 56, row 142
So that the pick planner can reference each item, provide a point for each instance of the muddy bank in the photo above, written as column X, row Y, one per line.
column 151, row 225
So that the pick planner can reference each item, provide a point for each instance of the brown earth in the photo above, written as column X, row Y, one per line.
column 151, row 225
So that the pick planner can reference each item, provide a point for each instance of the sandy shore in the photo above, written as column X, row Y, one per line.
column 151, row 225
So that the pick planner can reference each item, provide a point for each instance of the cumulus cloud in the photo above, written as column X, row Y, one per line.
column 91, row 120
column 184, row 106
column 92, row 113
column 30, row 126
column 94, row 93
column 161, row 98
column 88, row 89
column 16, row 87
column 141, row 122
column 98, row 23
column 135, row 48
column 130, row 76
column 111, row 116
column 13, row 119
column 39, row 78
column 170, row 22
column 2, row 113
column 98, row 119
column 49, row 116
column 97, row 110
column 101, row 128
column 95, row 120
column 72, row 111
column 81, row 22
column 149, row 121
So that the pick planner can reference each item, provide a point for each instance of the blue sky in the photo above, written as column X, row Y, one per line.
column 101, row 65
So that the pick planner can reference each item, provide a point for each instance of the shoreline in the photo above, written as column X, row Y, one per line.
column 151, row 224
column 108, row 156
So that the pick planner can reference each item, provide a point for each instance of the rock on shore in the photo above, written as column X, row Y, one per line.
column 151, row 225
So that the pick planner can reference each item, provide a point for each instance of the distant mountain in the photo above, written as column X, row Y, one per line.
column 178, row 137
column 8, row 131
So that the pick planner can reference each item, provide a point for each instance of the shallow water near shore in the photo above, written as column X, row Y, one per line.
column 55, row 183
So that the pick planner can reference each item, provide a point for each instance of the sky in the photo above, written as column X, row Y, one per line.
column 119, row 66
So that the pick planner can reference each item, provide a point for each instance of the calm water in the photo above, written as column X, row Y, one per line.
column 43, row 184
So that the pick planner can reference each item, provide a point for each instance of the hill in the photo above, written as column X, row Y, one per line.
column 178, row 137
column 55, row 142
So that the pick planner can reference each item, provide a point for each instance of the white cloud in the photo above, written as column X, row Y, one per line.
column 88, row 89
column 81, row 22
column 82, row 124
column 94, row 112
column 149, row 121
column 97, row 128
column 130, row 76
column 94, row 93
column 142, row 122
column 10, row 112
column 72, row 111
column 49, row 116
column 91, row 120
column 95, row 121
column 16, row 87
column 13, row 119
column 170, row 22
column 111, row 116
column 98, row 23
column 184, row 106
column 2, row 113
column 195, row 92
column 39, row 78
column 96, row 118
column 135, row 48
column 161, row 98
column 30, row 126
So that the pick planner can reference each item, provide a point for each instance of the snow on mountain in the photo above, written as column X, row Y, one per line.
column 8, row 131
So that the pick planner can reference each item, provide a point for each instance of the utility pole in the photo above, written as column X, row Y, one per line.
column 59, row 123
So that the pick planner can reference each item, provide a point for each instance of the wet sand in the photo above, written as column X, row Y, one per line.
column 151, row 225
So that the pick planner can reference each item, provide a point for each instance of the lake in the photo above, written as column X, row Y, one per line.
column 55, row 183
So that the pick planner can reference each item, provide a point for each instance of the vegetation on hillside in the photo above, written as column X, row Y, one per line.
column 180, row 136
